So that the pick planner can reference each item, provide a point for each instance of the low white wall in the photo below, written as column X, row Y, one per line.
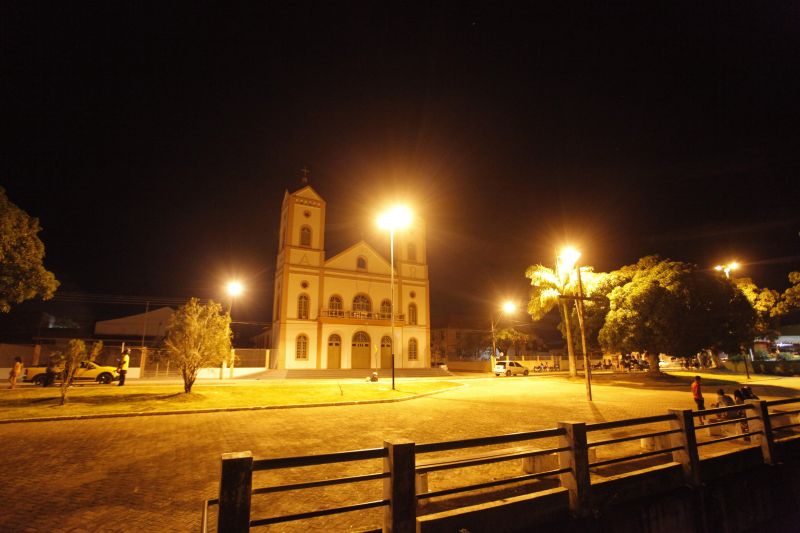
column 213, row 373
column 469, row 366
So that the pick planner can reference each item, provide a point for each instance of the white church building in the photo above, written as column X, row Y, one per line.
column 335, row 313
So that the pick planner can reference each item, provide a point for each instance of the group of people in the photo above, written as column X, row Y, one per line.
column 50, row 371
column 724, row 400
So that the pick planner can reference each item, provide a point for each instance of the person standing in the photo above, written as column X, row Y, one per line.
column 16, row 371
column 123, row 366
column 697, row 394
column 738, row 399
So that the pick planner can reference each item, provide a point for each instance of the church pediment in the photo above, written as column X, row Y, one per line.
column 308, row 193
column 349, row 259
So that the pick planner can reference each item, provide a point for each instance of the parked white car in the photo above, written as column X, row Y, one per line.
column 509, row 368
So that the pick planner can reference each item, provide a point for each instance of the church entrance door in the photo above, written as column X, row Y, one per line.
column 360, row 354
column 334, row 351
column 386, row 352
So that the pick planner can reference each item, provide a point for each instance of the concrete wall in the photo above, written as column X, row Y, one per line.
column 469, row 366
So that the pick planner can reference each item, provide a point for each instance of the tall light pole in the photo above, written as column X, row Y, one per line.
column 727, row 269
column 508, row 308
column 397, row 217
column 234, row 288
column 570, row 257
column 565, row 260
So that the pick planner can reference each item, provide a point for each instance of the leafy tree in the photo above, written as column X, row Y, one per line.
column 790, row 299
column 546, row 287
column 198, row 336
column 508, row 337
column 595, row 285
column 675, row 308
column 22, row 274
column 767, row 305
column 71, row 359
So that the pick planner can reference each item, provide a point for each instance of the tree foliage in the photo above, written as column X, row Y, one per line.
column 71, row 359
column 675, row 308
column 22, row 273
column 546, row 287
column 767, row 305
column 198, row 336
column 790, row 299
column 508, row 337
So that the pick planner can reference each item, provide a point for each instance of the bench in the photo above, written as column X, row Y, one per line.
column 533, row 461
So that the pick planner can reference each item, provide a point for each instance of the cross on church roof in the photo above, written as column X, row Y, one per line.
column 305, row 172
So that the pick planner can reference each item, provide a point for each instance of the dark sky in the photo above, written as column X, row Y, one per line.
column 155, row 141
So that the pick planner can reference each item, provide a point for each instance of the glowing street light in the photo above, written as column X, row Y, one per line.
column 727, row 269
column 508, row 308
column 234, row 288
column 568, row 257
column 396, row 218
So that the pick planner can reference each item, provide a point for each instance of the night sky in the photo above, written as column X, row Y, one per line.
column 155, row 141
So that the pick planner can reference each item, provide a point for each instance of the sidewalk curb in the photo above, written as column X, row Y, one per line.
column 225, row 409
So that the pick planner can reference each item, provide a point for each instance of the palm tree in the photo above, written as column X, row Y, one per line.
column 546, row 287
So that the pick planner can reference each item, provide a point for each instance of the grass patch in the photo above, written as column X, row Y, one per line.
column 36, row 402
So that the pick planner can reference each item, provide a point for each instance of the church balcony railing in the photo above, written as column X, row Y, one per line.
column 359, row 315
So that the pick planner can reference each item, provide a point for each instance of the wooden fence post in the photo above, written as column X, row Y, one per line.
column 400, row 516
column 235, row 487
column 687, row 456
column 764, row 424
column 577, row 460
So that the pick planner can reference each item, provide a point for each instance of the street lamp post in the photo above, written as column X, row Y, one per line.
column 570, row 258
column 398, row 217
column 727, row 269
column 508, row 308
column 234, row 288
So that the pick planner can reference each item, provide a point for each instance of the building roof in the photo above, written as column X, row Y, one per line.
column 150, row 324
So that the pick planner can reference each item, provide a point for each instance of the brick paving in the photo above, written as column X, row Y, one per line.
column 152, row 473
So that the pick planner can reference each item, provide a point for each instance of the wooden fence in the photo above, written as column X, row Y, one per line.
column 760, row 423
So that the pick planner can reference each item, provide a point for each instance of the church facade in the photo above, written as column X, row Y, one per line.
column 336, row 313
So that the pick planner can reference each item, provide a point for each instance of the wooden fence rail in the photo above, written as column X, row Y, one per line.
column 574, row 453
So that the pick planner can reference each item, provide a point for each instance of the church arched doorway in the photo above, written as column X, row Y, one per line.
column 386, row 352
column 334, row 351
column 360, row 355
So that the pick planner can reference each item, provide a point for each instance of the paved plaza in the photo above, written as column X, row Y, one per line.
column 152, row 473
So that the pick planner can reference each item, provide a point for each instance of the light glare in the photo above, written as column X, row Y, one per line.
column 509, row 307
column 569, row 256
column 235, row 288
column 397, row 217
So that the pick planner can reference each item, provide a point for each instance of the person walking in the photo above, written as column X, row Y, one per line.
column 16, row 371
column 123, row 366
column 697, row 394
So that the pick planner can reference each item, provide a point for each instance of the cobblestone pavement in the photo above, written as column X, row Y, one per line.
column 148, row 474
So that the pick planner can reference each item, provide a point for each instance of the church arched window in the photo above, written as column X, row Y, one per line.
column 362, row 304
column 301, row 347
column 335, row 306
column 361, row 263
column 412, row 314
column 305, row 236
column 302, row 306
column 412, row 349
column 386, row 309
